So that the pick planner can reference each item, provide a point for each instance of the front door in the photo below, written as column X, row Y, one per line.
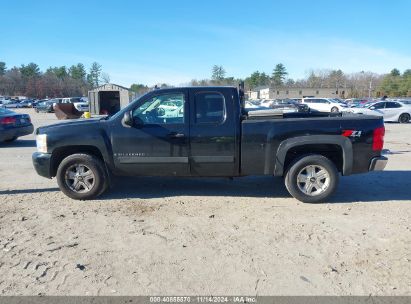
column 157, row 143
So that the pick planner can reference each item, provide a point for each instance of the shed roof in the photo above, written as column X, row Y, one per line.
column 109, row 86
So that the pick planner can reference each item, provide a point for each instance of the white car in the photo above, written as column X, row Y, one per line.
column 390, row 110
column 78, row 102
column 250, row 105
column 324, row 104
column 266, row 103
column 10, row 104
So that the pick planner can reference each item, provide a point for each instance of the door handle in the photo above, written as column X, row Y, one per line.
column 176, row 135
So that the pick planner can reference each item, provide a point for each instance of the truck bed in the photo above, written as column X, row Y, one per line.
column 263, row 133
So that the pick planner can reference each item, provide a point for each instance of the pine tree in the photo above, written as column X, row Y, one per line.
column 279, row 74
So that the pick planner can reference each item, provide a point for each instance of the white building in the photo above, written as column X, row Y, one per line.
column 283, row 93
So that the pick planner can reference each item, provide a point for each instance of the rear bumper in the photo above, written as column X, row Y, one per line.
column 16, row 132
column 41, row 162
column 378, row 163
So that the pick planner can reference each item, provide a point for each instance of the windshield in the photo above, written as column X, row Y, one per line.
column 121, row 112
column 366, row 105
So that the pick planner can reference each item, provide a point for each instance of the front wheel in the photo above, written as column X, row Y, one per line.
column 82, row 176
column 334, row 109
column 404, row 118
column 312, row 179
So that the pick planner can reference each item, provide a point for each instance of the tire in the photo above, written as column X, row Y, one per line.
column 404, row 118
column 312, row 165
column 82, row 176
column 10, row 139
column 334, row 110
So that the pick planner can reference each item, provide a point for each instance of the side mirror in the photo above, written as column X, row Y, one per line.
column 128, row 119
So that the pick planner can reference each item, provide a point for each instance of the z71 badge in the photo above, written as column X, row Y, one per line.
column 351, row 133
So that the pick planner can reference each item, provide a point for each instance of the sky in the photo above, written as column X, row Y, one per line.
column 173, row 42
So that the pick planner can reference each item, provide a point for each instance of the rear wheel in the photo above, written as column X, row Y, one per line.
column 334, row 109
column 82, row 176
column 312, row 179
column 404, row 118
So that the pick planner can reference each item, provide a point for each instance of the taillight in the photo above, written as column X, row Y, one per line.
column 7, row 121
column 378, row 139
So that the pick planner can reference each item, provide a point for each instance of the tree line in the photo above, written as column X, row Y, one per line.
column 360, row 84
column 76, row 80
column 59, row 81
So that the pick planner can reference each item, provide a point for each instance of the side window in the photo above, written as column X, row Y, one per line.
column 161, row 109
column 391, row 105
column 209, row 107
column 380, row 105
column 308, row 100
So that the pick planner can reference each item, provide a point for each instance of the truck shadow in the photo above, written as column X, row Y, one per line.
column 372, row 187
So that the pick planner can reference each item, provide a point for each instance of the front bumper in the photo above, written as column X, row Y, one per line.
column 16, row 132
column 378, row 163
column 42, row 164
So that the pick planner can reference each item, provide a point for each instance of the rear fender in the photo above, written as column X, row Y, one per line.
column 286, row 145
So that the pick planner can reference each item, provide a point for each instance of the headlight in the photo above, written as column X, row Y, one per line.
column 41, row 141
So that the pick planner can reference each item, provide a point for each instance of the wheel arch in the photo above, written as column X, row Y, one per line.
column 335, row 147
column 61, row 153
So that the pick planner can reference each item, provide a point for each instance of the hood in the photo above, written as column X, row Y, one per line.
column 70, row 123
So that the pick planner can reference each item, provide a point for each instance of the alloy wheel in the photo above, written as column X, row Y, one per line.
column 79, row 178
column 313, row 180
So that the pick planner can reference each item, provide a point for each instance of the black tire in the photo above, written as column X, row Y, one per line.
column 10, row 139
column 404, row 118
column 334, row 110
column 91, row 163
column 314, row 161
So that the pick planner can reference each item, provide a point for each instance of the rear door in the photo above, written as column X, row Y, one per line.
column 214, row 132
column 324, row 105
column 391, row 111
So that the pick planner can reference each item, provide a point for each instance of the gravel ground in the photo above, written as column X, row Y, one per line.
column 151, row 236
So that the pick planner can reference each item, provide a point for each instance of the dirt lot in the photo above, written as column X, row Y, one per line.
column 205, row 236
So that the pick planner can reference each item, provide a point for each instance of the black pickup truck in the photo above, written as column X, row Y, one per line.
column 205, row 131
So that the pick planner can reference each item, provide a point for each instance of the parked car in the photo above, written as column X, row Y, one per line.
column 324, row 105
column 212, row 136
column 249, row 105
column 14, row 125
column 341, row 101
column 290, row 103
column 36, row 102
column 78, row 102
column 11, row 103
column 389, row 110
column 266, row 103
column 26, row 103
column 45, row 106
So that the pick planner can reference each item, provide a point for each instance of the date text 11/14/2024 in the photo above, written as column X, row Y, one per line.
column 203, row 299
